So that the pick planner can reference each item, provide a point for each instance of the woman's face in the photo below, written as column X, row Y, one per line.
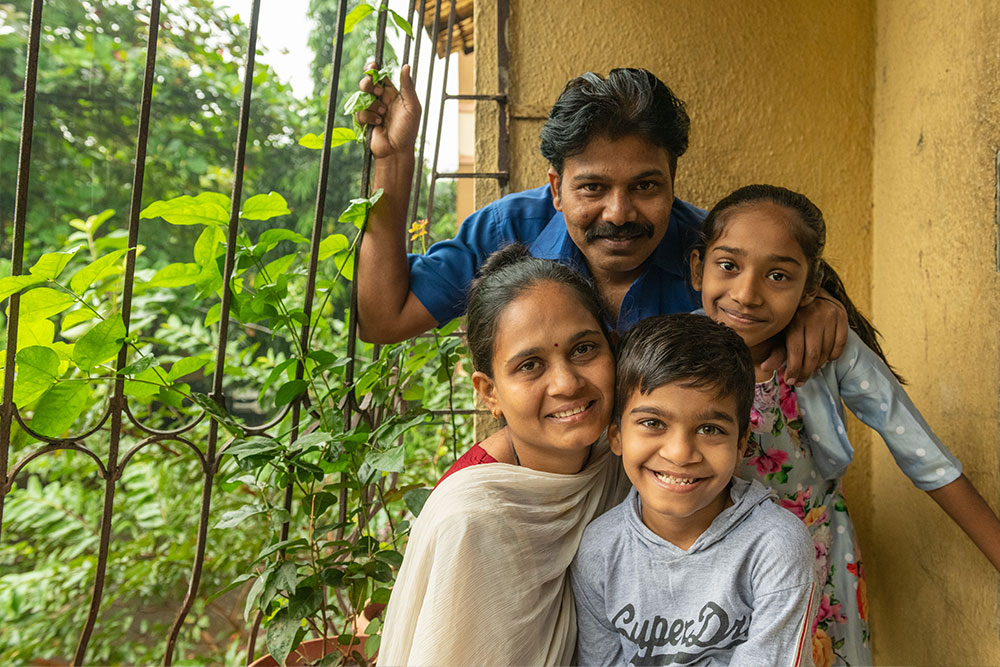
column 553, row 378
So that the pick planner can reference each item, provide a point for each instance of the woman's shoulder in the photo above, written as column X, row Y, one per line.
column 474, row 456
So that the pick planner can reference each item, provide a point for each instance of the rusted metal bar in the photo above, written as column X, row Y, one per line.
column 440, row 125
column 118, row 400
column 503, row 70
column 17, row 237
column 418, row 30
column 472, row 174
column 406, row 42
column 418, row 176
column 212, row 462
column 476, row 98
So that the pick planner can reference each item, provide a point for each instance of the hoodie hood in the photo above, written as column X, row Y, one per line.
column 746, row 495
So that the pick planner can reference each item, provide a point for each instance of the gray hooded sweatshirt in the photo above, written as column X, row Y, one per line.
column 742, row 594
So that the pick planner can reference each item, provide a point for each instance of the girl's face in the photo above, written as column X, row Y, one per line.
column 753, row 276
column 553, row 377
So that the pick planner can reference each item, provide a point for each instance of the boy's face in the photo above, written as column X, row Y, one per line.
column 680, row 446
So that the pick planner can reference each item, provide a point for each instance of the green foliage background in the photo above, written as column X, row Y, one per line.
column 89, row 82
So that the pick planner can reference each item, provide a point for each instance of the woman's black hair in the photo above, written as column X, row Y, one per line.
column 506, row 275
column 811, row 236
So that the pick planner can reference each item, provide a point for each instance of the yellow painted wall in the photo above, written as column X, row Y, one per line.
column 936, row 299
column 829, row 97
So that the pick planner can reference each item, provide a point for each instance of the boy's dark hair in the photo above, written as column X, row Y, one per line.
column 506, row 275
column 688, row 349
column 629, row 101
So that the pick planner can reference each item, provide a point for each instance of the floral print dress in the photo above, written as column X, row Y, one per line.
column 779, row 456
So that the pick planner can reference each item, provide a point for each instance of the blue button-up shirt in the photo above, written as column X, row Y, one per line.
column 441, row 277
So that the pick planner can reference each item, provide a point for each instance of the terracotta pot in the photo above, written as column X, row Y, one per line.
column 312, row 650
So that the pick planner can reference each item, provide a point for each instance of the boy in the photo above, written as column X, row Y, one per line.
column 695, row 566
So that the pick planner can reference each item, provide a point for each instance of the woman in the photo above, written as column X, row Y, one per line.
column 484, row 577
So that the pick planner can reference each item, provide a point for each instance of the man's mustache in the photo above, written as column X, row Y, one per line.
column 629, row 230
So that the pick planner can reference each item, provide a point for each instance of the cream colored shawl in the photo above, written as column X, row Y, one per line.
column 484, row 580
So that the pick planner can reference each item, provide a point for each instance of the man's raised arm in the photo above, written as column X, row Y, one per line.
column 387, row 310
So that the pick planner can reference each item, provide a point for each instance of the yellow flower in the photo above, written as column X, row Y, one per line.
column 822, row 649
column 418, row 229
column 816, row 514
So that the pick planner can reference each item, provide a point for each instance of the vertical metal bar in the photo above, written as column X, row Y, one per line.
column 440, row 125
column 503, row 71
column 418, row 28
column 118, row 399
column 17, row 236
column 350, row 406
column 406, row 42
column 220, row 356
column 418, row 171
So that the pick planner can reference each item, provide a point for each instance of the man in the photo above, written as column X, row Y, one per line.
column 608, row 211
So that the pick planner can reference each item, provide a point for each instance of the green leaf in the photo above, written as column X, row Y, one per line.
column 216, row 412
column 355, row 16
column 206, row 248
column 338, row 137
column 208, row 208
column 235, row 517
column 75, row 317
column 254, row 595
column 176, row 275
column 332, row 244
column 96, row 270
column 345, row 264
column 59, row 407
column 139, row 365
column 146, row 383
column 186, row 366
column 296, row 544
column 37, row 371
column 286, row 577
column 276, row 268
column 281, row 634
column 264, row 207
column 358, row 101
column 390, row 460
column 272, row 237
column 289, row 392
column 416, row 498
column 305, row 602
column 51, row 264
column 255, row 445
column 13, row 284
column 402, row 23
column 381, row 595
column 44, row 302
column 213, row 315
column 38, row 332
column 393, row 558
column 100, row 343
column 93, row 222
column 311, row 441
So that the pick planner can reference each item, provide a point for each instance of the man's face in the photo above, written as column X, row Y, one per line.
column 616, row 197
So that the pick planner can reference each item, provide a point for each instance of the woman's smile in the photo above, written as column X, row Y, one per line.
column 553, row 378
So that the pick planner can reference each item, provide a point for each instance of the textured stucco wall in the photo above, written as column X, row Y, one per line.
column 936, row 299
column 786, row 93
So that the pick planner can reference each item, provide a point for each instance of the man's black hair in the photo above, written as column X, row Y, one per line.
column 628, row 102
column 688, row 349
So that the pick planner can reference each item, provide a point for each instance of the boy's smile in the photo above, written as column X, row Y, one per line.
column 679, row 445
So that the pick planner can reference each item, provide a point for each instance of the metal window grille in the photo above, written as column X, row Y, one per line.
column 110, row 466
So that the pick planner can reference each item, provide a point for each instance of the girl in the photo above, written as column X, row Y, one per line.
column 760, row 258
column 484, row 577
